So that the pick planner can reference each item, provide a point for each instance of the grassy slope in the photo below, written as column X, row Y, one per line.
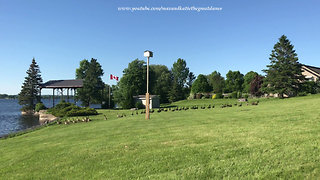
column 278, row 138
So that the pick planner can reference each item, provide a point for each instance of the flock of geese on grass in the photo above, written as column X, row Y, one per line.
column 87, row 119
column 185, row 108
column 75, row 120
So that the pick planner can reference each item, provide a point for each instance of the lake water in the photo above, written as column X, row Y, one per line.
column 11, row 119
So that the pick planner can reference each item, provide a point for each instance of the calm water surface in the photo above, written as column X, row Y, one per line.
column 11, row 119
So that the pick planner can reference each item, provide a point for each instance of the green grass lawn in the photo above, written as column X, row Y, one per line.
column 276, row 139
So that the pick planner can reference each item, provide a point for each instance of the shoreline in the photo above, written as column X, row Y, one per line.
column 44, row 119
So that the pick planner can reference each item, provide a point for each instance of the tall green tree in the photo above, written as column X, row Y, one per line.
column 91, row 73
column 180, row 73
column 132, row 83
column 201, row 85
column 283, row 74
column 216, row 81
column 247, row 80
column 30, row 92
column 234, row 81
column 176, row 93
column 160, row 82
column 255, row 86
column 190, row 79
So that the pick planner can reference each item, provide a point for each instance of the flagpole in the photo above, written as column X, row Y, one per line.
column 109, row 96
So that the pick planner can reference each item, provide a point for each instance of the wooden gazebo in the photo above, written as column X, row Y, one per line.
column 62, row 85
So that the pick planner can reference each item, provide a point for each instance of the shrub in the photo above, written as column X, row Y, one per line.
column 198, row 96
column 234, row 95
column 67, row 109
column 40, row 106
column 207, row 96
column 26, row 108
column 246, row 96
column 219, row 96
column 139, row 105
column 302, row 94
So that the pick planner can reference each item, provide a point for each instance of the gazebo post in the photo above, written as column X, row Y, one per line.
column 61, row 94
column 74, row 93
column 68, row 94
column 53, row 97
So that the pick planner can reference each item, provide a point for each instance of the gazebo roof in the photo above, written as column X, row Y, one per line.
column 73, row 83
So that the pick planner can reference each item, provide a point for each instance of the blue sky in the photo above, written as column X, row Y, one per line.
column 60, row 33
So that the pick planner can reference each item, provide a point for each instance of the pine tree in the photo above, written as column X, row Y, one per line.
column 284, row 74
column 30, row 92
column 93, row 85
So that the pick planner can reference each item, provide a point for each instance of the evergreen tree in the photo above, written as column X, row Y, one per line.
column 30, row 92
column 284, row 74
column 92, row 91
column 190, row 79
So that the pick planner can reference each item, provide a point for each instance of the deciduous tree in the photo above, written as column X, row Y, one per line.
column 201, row 85
column 234, row 81
column 255, row 86
column 216, row 81
column 132, row 83
column 247, row 80
column 180, row 73
column 160, row 82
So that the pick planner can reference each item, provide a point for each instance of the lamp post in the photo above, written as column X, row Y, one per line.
column 148, row 54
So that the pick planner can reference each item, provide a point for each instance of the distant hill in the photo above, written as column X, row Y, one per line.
column 6, row 96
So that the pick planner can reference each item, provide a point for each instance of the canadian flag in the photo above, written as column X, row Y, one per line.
column 114, row 77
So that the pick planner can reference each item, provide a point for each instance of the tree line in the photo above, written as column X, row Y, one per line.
column 283, row 76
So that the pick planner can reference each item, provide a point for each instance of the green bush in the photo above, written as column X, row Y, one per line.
column 26, row 108
column 302, row 94
column 246, row 96
column 67, row 109
column 139, row 105
column 40, row 106
column 219, row 96
column 234, row 95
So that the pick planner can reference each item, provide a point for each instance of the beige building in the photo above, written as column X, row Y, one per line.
column 154, row 100
column 310, row 72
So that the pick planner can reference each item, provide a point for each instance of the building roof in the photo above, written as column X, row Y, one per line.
column 314, row 69
column 73, row 83
column 144, row 96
